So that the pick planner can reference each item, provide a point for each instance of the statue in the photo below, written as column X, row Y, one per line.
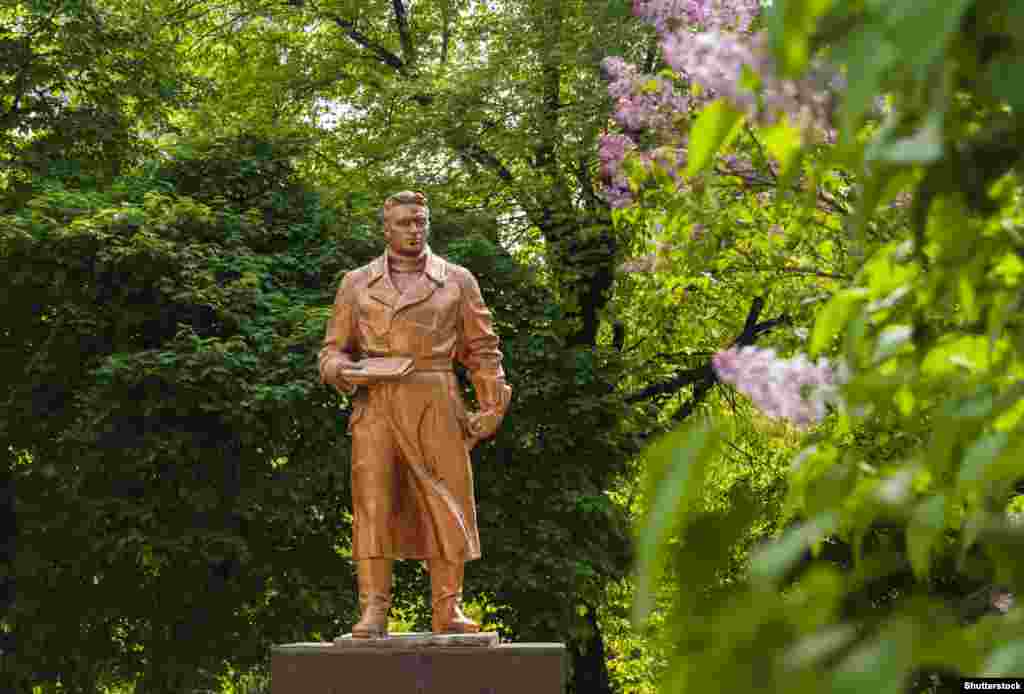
column 398, row 323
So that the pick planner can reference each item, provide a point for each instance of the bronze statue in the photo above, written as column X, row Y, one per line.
column 398, row 323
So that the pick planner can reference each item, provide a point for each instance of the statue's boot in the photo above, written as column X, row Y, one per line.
column 374, row 598
column 446, row 598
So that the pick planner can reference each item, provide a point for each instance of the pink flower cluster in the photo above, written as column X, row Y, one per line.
column 795, row 389
column 642, row 102
column 709, row 41
column 703, row 15
column 612, row 152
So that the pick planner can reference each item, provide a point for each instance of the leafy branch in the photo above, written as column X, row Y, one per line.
column 381, row 53
column 703, row 377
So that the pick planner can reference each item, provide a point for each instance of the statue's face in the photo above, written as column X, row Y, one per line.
column 406, row 228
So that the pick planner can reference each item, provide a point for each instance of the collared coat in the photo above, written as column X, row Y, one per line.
column 412, row 482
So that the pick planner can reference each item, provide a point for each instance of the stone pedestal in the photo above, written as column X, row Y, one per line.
column 418, row 664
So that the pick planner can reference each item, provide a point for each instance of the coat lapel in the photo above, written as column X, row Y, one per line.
column 380, row 286
column 383, row 290
column 418, row 292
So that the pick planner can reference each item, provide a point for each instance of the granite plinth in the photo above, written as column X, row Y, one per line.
column 417, row 664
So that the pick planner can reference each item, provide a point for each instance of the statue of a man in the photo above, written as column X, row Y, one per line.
column 412, row 484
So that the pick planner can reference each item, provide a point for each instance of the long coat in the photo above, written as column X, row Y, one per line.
column 412, row 483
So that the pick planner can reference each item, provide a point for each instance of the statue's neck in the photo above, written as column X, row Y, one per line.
column 405, row 264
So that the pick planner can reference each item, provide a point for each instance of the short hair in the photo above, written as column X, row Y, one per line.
column 406, row 197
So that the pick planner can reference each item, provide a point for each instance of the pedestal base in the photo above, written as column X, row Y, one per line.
column 397, row 665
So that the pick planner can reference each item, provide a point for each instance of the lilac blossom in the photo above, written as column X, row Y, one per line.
column 671, row 160
column 642, row 102
column 703, row 15
column 618, row 193
column 710, row 42
column 612, row 151
column 795, row 389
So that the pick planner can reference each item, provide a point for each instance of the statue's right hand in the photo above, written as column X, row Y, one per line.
column 350, row 379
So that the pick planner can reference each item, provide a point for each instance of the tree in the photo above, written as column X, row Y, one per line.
column 80, row 82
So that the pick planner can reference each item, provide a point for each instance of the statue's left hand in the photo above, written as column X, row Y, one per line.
column 484, row 425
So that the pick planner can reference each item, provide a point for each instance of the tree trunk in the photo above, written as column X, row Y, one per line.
column 589, row 668
column 8, row 543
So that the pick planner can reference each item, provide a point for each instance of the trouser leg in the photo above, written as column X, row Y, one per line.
column 446, row 598
column 374, row 576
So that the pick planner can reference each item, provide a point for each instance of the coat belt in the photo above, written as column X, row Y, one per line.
column 432, row 364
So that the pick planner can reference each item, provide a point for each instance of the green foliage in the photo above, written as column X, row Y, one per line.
column 898, row 504
column 82, row 81
column 716, row 127
column 178, row 443
column 165, row 400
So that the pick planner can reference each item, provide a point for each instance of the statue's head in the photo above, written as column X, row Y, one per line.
column 406, row 221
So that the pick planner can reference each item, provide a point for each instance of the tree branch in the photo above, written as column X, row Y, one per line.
column 703, row 377
column 790, row 271
column 483, row 157
column 764, row 155
column 381, row 53
column 446, row 29
column 404, row 35
column 671, row 386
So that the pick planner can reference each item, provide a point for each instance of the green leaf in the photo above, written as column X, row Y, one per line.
column 923, row 532
column 812, row 650
column 783, row 141
column 676, row 471
column 921, row 30
column 980, row 454
column 834, row 316
column 891, row 341
column 619, row 8
column 880, row 666
column 868, row 55
column 976, row 406
column 716, row 126
column 792, row 23
column 1004, row 76
column 923, row 147
column 1007, row 661
column 773, row 561
column 993, row 459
